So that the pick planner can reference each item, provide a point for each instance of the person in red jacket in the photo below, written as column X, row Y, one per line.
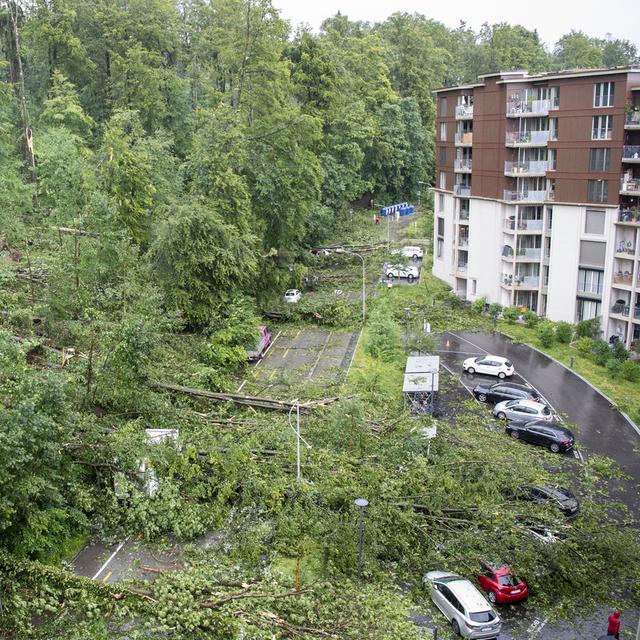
column 614, row 624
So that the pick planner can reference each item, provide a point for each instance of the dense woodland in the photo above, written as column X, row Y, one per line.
column 164, row 166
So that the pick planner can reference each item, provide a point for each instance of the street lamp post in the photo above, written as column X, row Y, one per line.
column 364, row 281
column 361, row 503
column 296, row 405
column 407, row 313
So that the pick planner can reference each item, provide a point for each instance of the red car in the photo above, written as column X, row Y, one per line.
column 501, row 584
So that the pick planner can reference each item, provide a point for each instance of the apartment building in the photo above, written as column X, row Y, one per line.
column 537, row 194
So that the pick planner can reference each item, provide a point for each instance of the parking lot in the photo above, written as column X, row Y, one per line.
column 599, row 427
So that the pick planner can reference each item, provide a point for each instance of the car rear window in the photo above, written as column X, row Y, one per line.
column 508, row 363
column 482, row 616
column 545, row 411
column 509, row 581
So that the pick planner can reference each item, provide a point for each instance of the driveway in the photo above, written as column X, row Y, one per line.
column 600, row 429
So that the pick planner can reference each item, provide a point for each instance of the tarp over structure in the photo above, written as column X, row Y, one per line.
column 421, row 382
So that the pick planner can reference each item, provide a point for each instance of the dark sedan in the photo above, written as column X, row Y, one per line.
column 555, row 437
column 502, row 391
column 561, row 498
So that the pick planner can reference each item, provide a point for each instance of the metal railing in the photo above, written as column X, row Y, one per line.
column 632, row 118
column 464, row 215
column 462, row 190
column 462, row 165
column 525, row 195
column 536, row 166
column 622, row 278
column 464, row 138
column 529, row 253
column 526, row 137
column 464, row 112
column 629, row 215
column 630, row 185
column 631, row 152
column 526, row 105
column 620, row 309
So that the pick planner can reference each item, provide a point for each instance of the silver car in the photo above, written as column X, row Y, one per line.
column 522, row 410
column 470, row 615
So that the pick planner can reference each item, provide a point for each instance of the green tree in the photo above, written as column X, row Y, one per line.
column 576, row 50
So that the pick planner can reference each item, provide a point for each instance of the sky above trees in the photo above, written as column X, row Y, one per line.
column 551, row 19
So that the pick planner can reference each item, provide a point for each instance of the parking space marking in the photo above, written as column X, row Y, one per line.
column 557, row 416
column 106, row 578
column 456, row 376
column 110, row 558
column 324, row 346
column 464, row 353
column 284, row 355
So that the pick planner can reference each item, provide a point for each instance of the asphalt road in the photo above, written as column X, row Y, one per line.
column 600, row 429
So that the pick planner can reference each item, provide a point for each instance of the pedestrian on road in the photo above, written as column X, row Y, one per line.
column 614, row 624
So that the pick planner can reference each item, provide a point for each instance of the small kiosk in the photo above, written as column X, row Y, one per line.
column 421, row 381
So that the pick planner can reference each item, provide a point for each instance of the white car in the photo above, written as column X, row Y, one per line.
column 292, row 295
column 489, row 365
column 470, row 615
column 399, row 271
column 413, row 252
column 521, row 409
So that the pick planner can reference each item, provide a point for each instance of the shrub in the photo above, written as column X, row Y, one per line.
column 564, row 332
column 384, row 339
column 531, row 318
column 630, row 371
column 588, row 328
column 584, row 346
column 510, row 314
column 601, row 352
column 479, row 305
column 546, row 333
column 619, row 352
column 495, row 310
column 614, row 367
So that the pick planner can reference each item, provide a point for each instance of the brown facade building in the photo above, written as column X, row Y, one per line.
column 538, row 194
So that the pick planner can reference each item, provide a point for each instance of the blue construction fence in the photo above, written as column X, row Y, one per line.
column 404, row 208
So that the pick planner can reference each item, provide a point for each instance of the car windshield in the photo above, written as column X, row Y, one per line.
column 512, row 403
column 545, row 411
column 509, row 581
column 482, row 616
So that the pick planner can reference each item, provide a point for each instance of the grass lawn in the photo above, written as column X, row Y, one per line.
column 624, row 393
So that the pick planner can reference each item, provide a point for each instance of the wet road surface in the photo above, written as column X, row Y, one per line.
column 600, row 429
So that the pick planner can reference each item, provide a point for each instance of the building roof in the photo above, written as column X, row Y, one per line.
column 516, row 76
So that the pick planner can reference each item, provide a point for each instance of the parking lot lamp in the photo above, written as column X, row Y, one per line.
column 407, row 313
column 296, row 405
column 361, row 503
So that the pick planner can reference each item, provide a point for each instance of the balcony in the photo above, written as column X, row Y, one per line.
column 462, row 268
column 464, row 112
column 523, row 225
column 462, row 190
column 521, row 281
column 526, row 138
column 632, row 120
column 626, row 249
column 464, row 139
column 525, row 195
column 463, row 217
column 630, row 187
column 629, row 216
column 631, row 153
column 528, row 254
column 463, row 242
column 462, row 166
column 528, row 107
column 533, row 168
column 623, row 277
column 621, row 309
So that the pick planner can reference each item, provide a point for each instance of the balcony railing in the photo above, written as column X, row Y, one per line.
column 462, row 190
column 462, row 268
column 629, row 215
column 463, row 243
column 524, row 168
column 521, row 281
column 623, row 278
column 464, row 216
column 528, row 107
column 633, row 119
column 630, row 186
column 523, row 225
column 525, row 195
column 620, row 309
column 464, row 112
column 464, row 138
column 627, row 247
column 462, row 165
column 631, row 152
column 528, row 253
column 516, row 138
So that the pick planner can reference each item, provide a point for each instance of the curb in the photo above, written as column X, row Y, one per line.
column 353, row 355
column 604, row 395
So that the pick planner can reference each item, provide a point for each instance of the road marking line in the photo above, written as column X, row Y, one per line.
column 464, row 353
column 106, row 578
column 240, row 387
column 458, row 379
column 273, row 373
column 297, row 334
column 284, row 355
column 324, row 346
column 111, row 557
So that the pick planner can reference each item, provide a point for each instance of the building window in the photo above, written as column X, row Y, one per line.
column 594, row 223
column 599, row 159
column 552, row 156
column 590, row 281
column 440, row 248
column 597, row 191
column 443, row 131
column 553, row 128
column 603, row 94
column 592, row 253
column 441, row 227
column 443, row 107
column 443, row 155
column 474, row 284
column 601, row 127
column 441, row 202
column 588, row 309
column 443, row 180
